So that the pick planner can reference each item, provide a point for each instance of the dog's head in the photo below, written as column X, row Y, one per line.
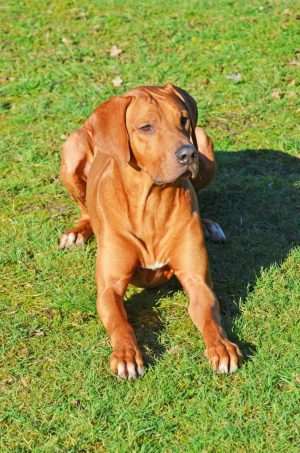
column 153, row 129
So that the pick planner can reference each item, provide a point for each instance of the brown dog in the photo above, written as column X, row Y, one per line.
column 129, row 169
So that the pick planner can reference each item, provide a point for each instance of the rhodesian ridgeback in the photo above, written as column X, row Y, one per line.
column 134, row 168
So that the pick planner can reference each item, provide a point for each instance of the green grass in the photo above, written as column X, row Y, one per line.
column 56, row 391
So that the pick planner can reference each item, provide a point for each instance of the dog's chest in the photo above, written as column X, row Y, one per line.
column 158, row 227
column 155, row 266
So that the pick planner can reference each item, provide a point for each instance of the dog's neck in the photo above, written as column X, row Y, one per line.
column 148, row 204
column 140, row 183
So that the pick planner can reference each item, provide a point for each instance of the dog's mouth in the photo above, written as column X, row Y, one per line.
column 186, row 175
column 189, row 171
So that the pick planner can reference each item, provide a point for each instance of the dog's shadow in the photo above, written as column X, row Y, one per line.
column 144, row 315
column 255, row 199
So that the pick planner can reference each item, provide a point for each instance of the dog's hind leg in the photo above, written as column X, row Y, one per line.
column 207, row 163
column 207, row 171
column 77, row 158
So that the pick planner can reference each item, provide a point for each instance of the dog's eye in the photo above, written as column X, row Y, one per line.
column 183, row 121
column 146, row 128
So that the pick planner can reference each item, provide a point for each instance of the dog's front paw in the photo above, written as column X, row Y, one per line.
column 76, row 236
column 224, row 356
column 70, row 238
column 127, row 363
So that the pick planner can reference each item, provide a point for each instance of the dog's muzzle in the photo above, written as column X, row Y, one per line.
column 187, row 157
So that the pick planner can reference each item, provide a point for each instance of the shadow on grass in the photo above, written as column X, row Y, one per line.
column 255, row 200
column 143, row 315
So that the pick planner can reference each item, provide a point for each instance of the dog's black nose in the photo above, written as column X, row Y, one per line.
column 186, row 154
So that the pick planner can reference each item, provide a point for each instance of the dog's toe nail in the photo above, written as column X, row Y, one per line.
column 70, row 240
column 63, row 241
column 141, row 371
column 223, row 368
column 121, row 370
column 233, row 367
column 80, row 239
column 131, row 371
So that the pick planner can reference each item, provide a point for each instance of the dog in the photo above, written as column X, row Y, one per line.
column 134, row 168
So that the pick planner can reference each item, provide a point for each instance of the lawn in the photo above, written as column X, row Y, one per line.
column 240, row 60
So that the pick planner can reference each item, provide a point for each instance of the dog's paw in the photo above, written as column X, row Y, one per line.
column 127, row 363
column 76, row 236
column 70, row 238
column 224, row 356
column 213, row 231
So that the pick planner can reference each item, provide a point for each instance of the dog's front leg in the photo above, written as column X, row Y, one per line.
column 113, row 274
column 190, row 264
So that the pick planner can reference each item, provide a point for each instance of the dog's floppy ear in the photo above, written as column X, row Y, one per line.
column 107, row 126
column 190, row 104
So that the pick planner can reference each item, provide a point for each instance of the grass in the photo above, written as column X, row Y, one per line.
column 56, row 391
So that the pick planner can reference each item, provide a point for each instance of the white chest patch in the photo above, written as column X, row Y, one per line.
column 154, row 266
